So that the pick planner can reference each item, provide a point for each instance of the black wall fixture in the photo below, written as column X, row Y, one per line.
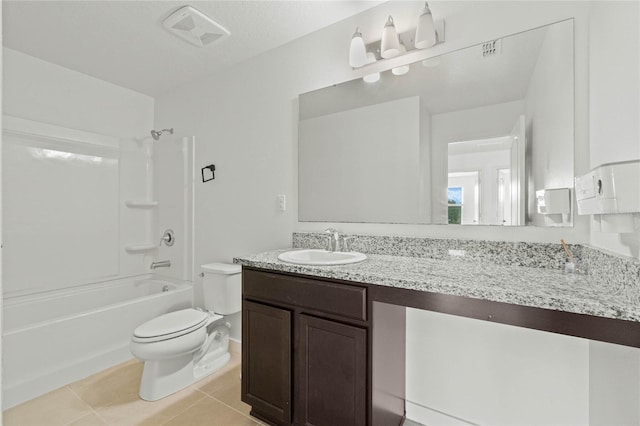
column 208, row 173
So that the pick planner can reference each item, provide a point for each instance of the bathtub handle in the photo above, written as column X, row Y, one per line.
column 168, row 238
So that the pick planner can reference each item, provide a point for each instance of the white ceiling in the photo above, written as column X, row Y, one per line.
column 123, row 42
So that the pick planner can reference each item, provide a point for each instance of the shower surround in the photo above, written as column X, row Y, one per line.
column 83, row 217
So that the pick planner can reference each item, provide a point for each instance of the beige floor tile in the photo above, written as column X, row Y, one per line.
column 111, row 398
column 59, row 407
column 210, row 412
column 89, row 420
column 233, row 363
column 115, row 386
column 139, row 412
column 226, row 388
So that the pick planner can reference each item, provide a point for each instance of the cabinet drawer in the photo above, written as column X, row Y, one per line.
column 338, row 299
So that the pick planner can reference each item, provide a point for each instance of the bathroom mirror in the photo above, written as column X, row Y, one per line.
column 467, row 137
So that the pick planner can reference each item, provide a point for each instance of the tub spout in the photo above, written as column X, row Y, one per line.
column 161, row 264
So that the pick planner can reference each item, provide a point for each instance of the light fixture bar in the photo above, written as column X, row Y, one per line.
column 383, row 65
column 406, row 38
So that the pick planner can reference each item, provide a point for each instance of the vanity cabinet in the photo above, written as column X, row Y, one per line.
column 266, row 360
column 332, row 373
column 305, row 350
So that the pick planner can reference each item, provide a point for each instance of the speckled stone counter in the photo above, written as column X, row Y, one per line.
column 518, row 285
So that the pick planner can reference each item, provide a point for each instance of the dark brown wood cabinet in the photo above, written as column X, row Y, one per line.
column 332, row 373
column 306, row 350
column 266, row 361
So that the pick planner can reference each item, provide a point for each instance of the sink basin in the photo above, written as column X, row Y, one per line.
column 321, row 257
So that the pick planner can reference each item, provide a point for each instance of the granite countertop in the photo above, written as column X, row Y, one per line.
column 525, row 286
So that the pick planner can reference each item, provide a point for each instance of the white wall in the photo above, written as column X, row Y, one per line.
column 614, row 131
column 614, row 99
column 614, row 385
column 378, row 144
column 549, row 118
column 43, row 92
column 465, row 371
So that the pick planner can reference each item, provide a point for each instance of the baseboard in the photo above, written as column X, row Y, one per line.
column 235, row 346
column 424, row 415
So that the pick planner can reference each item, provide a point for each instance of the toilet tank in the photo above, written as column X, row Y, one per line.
column 222, row 287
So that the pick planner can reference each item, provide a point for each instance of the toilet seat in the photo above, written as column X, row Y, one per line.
column 169, row 326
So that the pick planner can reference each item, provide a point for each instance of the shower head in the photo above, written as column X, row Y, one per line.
column 155, row 134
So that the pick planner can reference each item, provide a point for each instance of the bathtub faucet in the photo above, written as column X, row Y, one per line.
column 161, row 264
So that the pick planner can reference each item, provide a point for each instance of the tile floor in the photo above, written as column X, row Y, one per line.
column 111, row 398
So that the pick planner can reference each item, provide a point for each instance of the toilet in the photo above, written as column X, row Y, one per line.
column 182, row 347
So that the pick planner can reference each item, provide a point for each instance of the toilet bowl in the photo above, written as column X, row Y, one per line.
column 182, row 347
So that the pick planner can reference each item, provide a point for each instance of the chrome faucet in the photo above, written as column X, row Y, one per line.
column 334, row 239
column 161, row 264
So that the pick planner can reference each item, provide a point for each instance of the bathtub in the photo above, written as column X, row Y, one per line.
column 52, row 339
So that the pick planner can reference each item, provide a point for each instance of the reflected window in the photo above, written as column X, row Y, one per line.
column 454, row 195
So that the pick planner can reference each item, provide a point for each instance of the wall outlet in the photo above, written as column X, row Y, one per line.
column 282, row 202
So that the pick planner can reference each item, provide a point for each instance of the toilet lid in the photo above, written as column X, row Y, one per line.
column 170, row 325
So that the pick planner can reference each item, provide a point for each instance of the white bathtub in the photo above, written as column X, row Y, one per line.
column 50, row 340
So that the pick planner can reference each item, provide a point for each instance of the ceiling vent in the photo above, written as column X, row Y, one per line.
column 194, row 26
column 492, row 48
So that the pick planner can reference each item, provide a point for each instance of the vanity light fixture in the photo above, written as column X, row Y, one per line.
column 390, row 44
column 393, row 45
column 426, row 29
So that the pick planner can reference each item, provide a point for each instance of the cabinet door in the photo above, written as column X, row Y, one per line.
column 332, row 369
column 266, row 361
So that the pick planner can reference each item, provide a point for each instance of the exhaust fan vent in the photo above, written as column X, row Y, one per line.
column 194, row 26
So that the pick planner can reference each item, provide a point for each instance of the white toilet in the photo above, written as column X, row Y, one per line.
column 182, row 347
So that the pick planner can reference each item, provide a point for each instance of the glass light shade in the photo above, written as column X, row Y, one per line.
column 389, row 45
column 357, row 50
column 426, row 29
column 401, row 70
column 371, row 78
